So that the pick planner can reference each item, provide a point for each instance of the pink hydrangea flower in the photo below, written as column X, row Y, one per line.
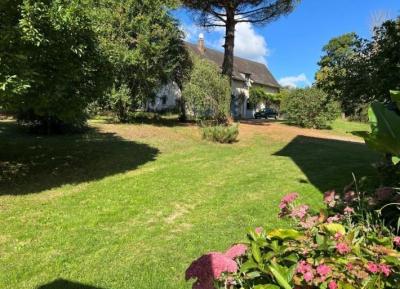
column 348, row 211
column 309, row 222
column 236, row 251
column 286, row 200
column 303, row 267
column 333, row 285
column 385, row 269
column 333, row 219
column 209, row 267
column 338, row 236
column 349, row 266
column 308, row 276
column 372, row 267
column 396, row 241
column 258, row 230
column 330, row 198
column 300, row 212
column 342, row 248
column 289, row 198
column 323, row 270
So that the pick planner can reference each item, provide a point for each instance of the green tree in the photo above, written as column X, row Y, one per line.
column 227, row 14
column 207, row 93
column 356, row 72
column 144, row 44
column 53, row 67
column 309, row 107
column 342, row 73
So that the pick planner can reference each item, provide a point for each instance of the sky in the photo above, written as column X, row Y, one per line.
column 292, row 46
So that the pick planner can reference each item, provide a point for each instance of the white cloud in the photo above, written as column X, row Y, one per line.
column 295, row 81
column 248, row 44
column 191, row 31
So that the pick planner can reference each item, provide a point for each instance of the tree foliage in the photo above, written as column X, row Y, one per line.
column 309, row 108
column 258, row 94
column 52, row 66
column 207, row 93
column 144, row 45
column 356, row 71
column 227, row 14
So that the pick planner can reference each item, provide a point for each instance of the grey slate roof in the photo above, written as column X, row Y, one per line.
column 259, row 73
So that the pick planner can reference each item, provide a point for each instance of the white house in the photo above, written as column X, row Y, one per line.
column 246, row 73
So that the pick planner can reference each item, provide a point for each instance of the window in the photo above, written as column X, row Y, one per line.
column 249, row 105
column 164, row 99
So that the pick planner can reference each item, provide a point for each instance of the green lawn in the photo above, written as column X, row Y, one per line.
column 130, row 206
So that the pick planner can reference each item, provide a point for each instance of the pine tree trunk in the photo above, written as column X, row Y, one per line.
column 227, row 66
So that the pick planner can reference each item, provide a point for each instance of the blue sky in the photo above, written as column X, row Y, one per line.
column 292, row 46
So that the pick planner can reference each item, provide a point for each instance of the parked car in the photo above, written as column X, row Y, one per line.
column 266, row 113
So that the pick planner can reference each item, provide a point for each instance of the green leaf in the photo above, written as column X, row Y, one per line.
column 279, row 276
column 255, row 249
column 284, row 234
column 334, row 228
column 249, row 264
column 385, row 135
column 371, row 282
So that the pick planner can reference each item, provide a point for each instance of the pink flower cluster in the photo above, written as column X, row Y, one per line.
column 299, row 212
column 396, row 241
column 210, row 266
column 288, row 199
column 330, row 198
column 343, row 248
column 310, row 275
column 379, row 268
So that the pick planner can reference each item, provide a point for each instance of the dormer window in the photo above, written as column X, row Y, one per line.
column 247, row 79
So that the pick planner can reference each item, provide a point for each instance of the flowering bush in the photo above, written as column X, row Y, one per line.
column 325, row 251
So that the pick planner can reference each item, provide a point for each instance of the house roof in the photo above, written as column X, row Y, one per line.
column 258, row 72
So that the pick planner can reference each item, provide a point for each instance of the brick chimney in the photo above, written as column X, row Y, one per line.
column 201, row 46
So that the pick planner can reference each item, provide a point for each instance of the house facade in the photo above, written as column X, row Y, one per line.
column 246, row 73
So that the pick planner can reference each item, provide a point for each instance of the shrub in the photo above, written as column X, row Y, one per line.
column 207, row 94
column 260, row 95
column 221, row 133
column 309, row 108
column 325, row 251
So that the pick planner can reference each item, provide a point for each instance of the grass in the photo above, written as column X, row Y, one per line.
column 130, row 206
column 344, row 127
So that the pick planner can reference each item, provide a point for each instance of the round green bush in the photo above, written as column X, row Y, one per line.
column 310, row 108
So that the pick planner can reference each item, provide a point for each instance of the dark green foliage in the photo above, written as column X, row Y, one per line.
column 145, row 46
column 221, row 133
column 55, row 67
column 309, row 108
column 356, row 72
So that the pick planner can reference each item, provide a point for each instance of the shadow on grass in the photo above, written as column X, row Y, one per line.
column 157, row 120
column 65, row 284
column 31, row 163
column 329, row 164
column 261, row 122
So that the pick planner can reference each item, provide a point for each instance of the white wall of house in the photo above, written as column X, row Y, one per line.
column 169, row 94
column 166, row 98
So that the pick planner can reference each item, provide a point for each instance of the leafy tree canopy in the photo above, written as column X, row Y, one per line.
column 227, row 14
